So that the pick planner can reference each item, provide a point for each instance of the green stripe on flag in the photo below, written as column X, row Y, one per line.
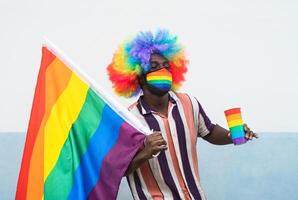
column 59, row 182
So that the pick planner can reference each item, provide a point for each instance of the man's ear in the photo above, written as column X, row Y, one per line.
column 142, row 80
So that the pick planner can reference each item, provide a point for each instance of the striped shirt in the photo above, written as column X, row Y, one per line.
column 174, row 173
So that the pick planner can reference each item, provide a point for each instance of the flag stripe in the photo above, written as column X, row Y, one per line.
column 36, row 116
column 132, row 141
column 74, row 147
column 62, row 116
column 87, row 173
column 52, row 93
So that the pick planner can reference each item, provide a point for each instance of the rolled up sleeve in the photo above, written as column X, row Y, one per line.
column 205, row 126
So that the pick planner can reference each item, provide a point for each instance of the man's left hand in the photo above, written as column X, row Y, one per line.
column 249, row 134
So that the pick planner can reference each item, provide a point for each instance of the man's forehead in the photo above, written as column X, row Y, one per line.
column 157, row 57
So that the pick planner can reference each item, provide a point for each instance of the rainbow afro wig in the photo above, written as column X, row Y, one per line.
column 132, row 59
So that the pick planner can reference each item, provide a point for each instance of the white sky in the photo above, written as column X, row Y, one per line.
column 242, row 53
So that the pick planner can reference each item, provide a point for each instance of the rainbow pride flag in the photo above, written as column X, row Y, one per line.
column 79, row 141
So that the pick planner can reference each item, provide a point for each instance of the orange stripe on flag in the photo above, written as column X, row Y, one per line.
column 57, row 78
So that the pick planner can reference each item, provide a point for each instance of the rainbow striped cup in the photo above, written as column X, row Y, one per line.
column 235, row 123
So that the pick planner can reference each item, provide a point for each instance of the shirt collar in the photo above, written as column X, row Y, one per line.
column 145, row 108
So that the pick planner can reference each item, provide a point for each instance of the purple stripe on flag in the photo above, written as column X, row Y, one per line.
column 121, row 154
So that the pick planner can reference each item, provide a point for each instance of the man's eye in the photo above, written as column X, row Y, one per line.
column 154, row 64
column 166, row 64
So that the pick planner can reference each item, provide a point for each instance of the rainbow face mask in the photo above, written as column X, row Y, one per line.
column 160, row 81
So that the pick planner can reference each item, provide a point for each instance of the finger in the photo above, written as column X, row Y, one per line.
column 155, row 155
column 251, row 135
column 246, row 128
column 158, row 149
column 154, row 137
column 155, row 134
column 161, row 148
column 248, row 136
column 255, row 135
column 157, row 139
column 159, row 143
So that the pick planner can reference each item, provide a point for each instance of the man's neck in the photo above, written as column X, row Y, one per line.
column 157, row 103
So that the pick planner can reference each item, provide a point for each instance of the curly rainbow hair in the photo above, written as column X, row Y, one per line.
column 132, row 59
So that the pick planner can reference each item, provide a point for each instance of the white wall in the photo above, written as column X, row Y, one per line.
column 242, row 53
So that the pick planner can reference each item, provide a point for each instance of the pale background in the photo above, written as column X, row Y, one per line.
column 242, row 53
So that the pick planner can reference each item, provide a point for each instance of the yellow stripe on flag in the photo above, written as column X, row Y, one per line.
column 236, row 122
column 63, row 115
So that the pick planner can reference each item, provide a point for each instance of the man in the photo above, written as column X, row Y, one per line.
column 166, row 167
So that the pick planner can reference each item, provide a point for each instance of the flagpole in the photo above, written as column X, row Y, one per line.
column 117, row 107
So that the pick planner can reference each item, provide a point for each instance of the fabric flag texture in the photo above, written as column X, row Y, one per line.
column 78, row 143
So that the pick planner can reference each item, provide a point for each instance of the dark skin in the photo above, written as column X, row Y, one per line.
column 154, row 143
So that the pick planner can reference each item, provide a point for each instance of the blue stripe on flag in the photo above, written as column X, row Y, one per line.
column 88, row 172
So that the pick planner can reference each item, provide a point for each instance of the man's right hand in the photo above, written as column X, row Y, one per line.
column 154, row 143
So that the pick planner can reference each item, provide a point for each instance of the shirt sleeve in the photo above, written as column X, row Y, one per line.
column 205, row 126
